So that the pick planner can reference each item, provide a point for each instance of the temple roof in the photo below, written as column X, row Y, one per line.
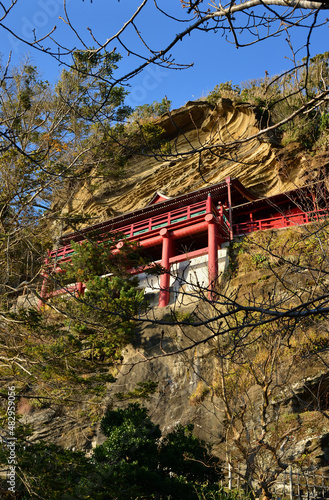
column 158, row 197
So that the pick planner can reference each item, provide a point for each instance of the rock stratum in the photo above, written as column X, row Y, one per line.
column 260, row 163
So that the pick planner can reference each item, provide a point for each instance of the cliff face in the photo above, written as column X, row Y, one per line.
column 187, row 381
column 260, row 164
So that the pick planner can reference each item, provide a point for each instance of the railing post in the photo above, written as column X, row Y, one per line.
column 209, row 204
column 43, row 291
column 44, row 284
column 80, row 289
column 315, row 205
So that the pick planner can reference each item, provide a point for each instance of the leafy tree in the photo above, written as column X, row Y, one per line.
column 25, row 114
column 50, row 141
column 148, row 465
column 94, row 110
column 73, row 345
column 46, row 471
column 147, row 112
column 135, row 461
column 103, row 321
column 47, row 138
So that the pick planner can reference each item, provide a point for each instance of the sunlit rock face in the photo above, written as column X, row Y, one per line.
column 259, row 163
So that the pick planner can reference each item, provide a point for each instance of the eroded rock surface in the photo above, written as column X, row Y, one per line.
column 260, row 163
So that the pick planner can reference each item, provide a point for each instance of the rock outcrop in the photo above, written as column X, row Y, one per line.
column 259, row 163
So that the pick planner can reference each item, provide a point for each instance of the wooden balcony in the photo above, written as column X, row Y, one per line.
column 147, row 228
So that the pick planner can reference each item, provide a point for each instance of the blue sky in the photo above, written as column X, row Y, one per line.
column 215, row 60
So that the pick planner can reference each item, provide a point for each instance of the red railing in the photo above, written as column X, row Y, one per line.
column 140, row 229
column 137, row 229
column 280, row 221
column 162, row 220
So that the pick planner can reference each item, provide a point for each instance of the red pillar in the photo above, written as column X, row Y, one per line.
column 316, row 217
column 229, row 199
column 213, row 240
column 80, row 289
column 43, row 293
column 165, row 278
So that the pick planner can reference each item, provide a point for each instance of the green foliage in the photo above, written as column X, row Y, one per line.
column 148, row 112
column 277, row 97
column 199, row 394
column 259, row 259
column 145, row 137
column 141, row 134
column 324, row 122
column 92, row 259
column 223, row 494
column 151, row 134
column 223, row 90
column 103, row 321
column 135, row 461
column 188, row 456
column 53, row 356
column 145, row 464
column 96, row 111
column 86, row 88
column 50, row 139
column 49, row 471
column 182, row 317
column 74, row 347
column 294, row 246
column 316, row 342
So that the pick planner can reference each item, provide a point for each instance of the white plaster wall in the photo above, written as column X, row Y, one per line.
column 187, row 279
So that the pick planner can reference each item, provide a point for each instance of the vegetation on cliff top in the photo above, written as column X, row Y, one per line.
column 277, row 97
